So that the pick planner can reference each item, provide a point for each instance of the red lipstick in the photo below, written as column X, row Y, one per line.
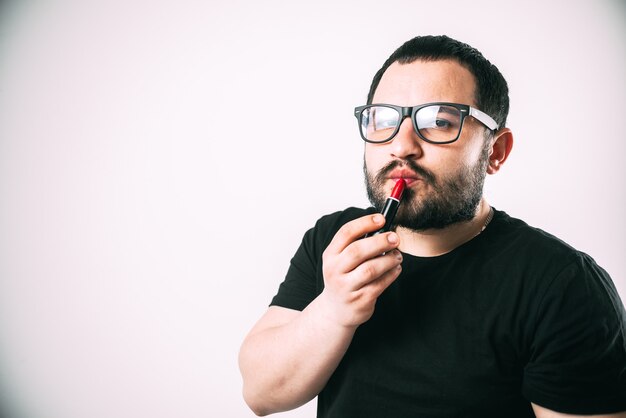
column 398, row 189
column 391, row 207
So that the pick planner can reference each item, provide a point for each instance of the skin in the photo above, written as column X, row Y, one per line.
column 289, row 355
column 421, row 82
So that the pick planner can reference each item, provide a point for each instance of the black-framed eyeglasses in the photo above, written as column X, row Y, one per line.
column 437, row 123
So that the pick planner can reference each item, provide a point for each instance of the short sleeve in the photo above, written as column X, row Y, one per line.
column 304, row 280
column 299, row 287
column 577, row 361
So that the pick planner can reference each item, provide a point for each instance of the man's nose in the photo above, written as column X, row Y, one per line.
column 406, row 143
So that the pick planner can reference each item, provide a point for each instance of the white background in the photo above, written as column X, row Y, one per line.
column 160, row 161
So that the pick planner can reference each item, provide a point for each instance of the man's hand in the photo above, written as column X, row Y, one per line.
column 288, row 356
column 542, row 412
column 357, row 270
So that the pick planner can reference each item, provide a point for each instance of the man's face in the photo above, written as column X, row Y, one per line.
column 444, row 181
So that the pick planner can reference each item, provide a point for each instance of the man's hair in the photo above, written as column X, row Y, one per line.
column 492, row 92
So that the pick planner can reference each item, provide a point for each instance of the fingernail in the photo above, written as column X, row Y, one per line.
column 392, row 238
column 398, row 255
column 378, row 219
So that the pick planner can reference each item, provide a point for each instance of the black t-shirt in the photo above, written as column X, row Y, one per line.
column 513, row 316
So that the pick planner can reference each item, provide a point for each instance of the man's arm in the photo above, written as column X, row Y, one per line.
column 288, row 356
column 542, row 412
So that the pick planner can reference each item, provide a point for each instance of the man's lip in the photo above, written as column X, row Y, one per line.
column 409, row 181
column 408, row 175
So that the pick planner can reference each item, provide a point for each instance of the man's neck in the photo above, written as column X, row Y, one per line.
column 434, row 242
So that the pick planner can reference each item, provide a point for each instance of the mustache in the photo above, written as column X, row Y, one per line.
column 425, row 174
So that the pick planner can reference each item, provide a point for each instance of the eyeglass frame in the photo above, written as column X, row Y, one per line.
column 411, row 111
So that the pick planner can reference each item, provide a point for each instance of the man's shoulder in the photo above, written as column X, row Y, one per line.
column 513, row 234
column 319, row 236
column 334, row 221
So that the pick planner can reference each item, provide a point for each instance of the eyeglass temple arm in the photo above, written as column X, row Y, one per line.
column 483, row 118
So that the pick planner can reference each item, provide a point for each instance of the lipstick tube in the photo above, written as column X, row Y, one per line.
column 391, row 207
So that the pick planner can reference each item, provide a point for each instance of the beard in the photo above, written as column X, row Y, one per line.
column 450, row 200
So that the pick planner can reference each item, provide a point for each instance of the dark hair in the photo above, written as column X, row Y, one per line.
column 492, row 92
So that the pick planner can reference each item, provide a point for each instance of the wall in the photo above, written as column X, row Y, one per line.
column 146, row 147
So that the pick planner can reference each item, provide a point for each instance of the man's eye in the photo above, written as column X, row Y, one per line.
column 442, row 123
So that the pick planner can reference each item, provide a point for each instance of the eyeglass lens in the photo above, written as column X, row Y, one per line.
column 436, row 123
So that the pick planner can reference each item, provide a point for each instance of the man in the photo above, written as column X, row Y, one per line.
column 462, row 311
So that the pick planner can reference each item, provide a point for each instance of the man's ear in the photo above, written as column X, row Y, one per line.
column 500, row 150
